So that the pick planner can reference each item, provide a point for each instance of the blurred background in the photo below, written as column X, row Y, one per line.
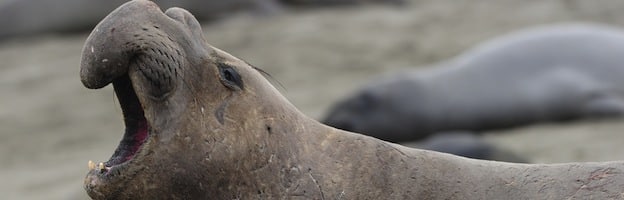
column 50, row 125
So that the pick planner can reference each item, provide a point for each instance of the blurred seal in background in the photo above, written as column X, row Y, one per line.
column 545, row 74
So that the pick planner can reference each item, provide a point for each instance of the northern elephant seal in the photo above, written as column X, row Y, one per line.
column 544, row 74
column 202, row 124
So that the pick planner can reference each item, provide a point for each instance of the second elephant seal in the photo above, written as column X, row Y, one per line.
column 544, row 74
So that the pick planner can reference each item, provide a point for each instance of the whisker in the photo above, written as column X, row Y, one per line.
column 116, row 101
column 268, row 77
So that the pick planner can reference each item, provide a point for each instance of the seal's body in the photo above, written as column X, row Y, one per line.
column 545, row 74
column 202, row 124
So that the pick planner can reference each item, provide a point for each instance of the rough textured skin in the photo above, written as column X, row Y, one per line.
column 545, row 74
column 214, row 138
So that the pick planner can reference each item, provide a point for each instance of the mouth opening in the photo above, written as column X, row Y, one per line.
column 137, row 127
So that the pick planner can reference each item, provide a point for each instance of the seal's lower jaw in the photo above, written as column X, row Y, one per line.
column 135, row 139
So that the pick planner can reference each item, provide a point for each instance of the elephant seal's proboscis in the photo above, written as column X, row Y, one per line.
column 202, row 124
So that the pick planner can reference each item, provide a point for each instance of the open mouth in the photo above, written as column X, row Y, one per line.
column 136, row 132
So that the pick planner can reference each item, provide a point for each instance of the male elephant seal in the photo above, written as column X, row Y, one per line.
column 202, row 124
column 545, row 74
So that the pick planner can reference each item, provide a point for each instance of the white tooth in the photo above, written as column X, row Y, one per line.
column 101, row 166
column 91, row 165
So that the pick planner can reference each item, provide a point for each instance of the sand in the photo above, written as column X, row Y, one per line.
column 50, row 125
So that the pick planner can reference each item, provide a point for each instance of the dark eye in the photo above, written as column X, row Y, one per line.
column 229, row 77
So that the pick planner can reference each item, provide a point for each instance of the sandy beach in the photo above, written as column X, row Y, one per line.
column 50, row 125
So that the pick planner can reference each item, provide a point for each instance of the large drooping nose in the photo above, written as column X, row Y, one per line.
column 104, row 55
column 137, row 27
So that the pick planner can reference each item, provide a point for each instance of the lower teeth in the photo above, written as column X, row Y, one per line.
column 100, row 166
column 91, row 165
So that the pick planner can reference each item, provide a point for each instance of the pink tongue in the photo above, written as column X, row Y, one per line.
column 140, row 136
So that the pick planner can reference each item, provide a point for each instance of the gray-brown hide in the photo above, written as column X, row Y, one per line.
column 219, row 130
